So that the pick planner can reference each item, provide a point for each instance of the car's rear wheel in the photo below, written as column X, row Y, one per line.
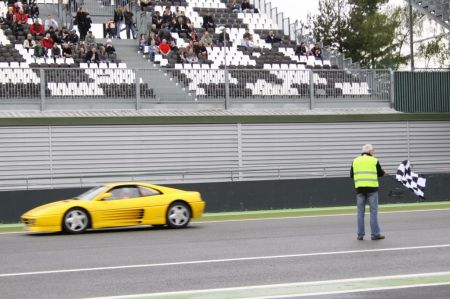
column 178, row 215
column 75, row 221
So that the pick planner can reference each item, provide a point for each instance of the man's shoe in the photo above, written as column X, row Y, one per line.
column 378, row 237
column 360, row 238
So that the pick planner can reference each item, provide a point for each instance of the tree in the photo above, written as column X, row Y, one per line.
column 436, row 51
column 331, row 24
column 361, row 30
column 402, row 32
column 371, row 35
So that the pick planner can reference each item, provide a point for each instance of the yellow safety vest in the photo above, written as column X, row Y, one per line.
column 365, row 171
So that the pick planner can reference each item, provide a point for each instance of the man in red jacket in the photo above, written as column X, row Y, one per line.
column 36, row 28
column 47, row 42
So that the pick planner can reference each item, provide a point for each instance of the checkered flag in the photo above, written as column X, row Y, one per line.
column 411, row 180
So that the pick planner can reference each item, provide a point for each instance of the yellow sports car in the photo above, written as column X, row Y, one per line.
column 115, row 205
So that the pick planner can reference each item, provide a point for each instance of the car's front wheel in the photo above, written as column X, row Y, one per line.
column 75, row 221
column 178, row 215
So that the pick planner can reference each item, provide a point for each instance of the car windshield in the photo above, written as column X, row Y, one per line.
column 91, row 193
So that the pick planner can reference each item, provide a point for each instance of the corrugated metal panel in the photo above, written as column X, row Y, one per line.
column 422, row 91
column 84, row 155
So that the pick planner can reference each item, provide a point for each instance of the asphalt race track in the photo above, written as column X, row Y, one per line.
column 316, row 257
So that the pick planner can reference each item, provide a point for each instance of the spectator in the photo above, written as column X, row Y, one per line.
column 47, row 42
column 247, row 39
column 50, row 22
column 201, row 52
column 67, row 51
column 34, row 11
column 21, row 20
column 182, row 26
column 72, row 38
column 151, row 37
column 173, row 25
column 83, row 20
column 152, row 50
column 222, row 39
column 129, row 25
column 165, row 33
column 181, row 56
column 52, row 33
column 247, row 34
column 56, row 51
column 143, row 42
column 167, row 15
column 29, row 42
column 109, row 47
column 316, row 51
column 118, row 20
column 81, row 46
column 146, row 5
column 194, row 37
column 92, row 56
column 208, row 21
column 272, row 39
column 246, row 6
column 110, row 29
column 39, row 50
column 103, row 55
column 81, row 54
column 157, row 20
column 301, row 50
column 178, row 12
column 207, row 39
column 164, row 48
column 36, row 28
column 191, row 57
column 11, row 18
column 16, row 7
column 90, row 39
column 235, row 7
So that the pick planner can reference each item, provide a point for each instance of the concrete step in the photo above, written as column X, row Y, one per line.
column 165, row 87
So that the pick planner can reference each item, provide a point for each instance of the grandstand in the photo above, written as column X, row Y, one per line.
column 265, row 72
column 269, row 72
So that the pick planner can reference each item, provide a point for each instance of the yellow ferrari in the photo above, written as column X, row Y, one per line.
column 116, row 205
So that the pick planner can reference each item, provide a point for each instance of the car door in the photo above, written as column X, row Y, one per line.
column 124, row 207
column 156, row 204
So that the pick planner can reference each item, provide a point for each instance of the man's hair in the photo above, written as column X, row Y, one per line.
column 367, row 148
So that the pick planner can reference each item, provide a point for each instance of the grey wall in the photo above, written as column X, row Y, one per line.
column 73, row 156
column 251, row 195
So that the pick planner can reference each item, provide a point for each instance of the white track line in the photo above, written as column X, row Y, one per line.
column 199, row 262
column 281, row 218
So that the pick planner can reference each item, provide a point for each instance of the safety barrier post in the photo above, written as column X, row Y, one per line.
column 43, row 79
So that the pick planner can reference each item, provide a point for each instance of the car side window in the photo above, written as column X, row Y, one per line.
column 124, row 192
column 145, row 191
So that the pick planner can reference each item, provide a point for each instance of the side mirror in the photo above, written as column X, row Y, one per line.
column 105, row 196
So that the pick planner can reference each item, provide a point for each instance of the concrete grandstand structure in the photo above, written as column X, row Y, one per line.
column 269, row 72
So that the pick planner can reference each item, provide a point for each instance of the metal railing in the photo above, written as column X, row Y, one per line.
column 203, row 175
column 101, row 84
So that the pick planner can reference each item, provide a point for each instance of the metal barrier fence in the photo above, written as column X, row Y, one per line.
column 423, row 91
column 254, row 173
column 104, row 83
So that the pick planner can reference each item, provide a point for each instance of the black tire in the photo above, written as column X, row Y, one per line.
column 178, row 215
column 75, row 221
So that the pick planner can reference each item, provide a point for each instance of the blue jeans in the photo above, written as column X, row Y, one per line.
column 361, row 200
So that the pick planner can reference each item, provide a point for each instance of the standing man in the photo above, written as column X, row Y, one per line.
column 365, row 171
